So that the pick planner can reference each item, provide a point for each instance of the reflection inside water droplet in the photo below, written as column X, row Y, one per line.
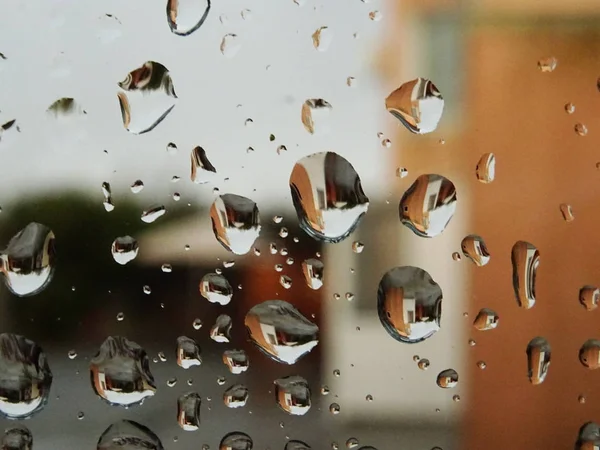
column 124, row 249
column 485, row 170
column 186, row 16
column 567, row 212
column 216, row 289
column 235, row 396
column 188, row 411
column 417, row 104
column 588, row 437
column 235, row 222
column 334, row 408
column 236, row 441
column 525, row 261
column 538, row 360
column 236, row 360
column 188, row 352
column 322, row 38
column 447, row 379
column 128, row 435
column 220, row 330
column 589, row 354
column 315, row 115
column 202, row 170
column 547, row 64
column 581, row 129
column 230, row 45
column 313, row 273
column 293, row 395
column 474, row 248
column 589, row 296
column 423, row 364
column 486, row 319
column 17, row 438
column 297, row 445
column 64, row 107
column 153, row 213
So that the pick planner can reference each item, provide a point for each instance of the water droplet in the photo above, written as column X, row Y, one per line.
column 186, row 16
column 190, row 381
column 281, row 148
column 481, row 365
column 235, row 396
column 401, row 172
column 146, row 97
column 525, row 261
column 171, row 382
column 589, row 354
column 581, row 399
column 124, row 249
column 589, row 296
column 188, row 411
column 246, row 14
column 166, row 268
column 171, row 148
column 230, row 45
column 236, row 360
column 236, row 222
column 336, row 373
column 120, row 372
column 278, row 267
column 375, row 16
column 474, row 248
column 130, row 435
column 147, row 290
column 313, row 273
column 17, row 438
column 289, row 261
column 220, row 330
column 281, row 331
column 416, row 358
column 293, row 395
column 63, row 107
column 325, row 390
column 25, row 377
column 485, row 170
column 188, row 352
column 175, row 179
column 273, row 248
column 447, row 379
column 283, row 251
column 80, row 415
column 330, row 214
column 153, row 213
column 202, row 170
column 423, row 364
column 581, row 129
column 417, row 104
column 297, row 445
column 569, row 108
column 349, row 296
column 456, row 398
column 315, row 115
column 72, row 354
column 322, row 38
column 27, row 262
column 567, row 212
column 334, row 408
column 351, row 82
column 120, row 317
column 285, row 281
column 369, row 398
column 386, row 143
column 588, row 437
column 547, row 64
column 177, row 196
column 472, row 343
column 197, row 324
column 352, row 443
column 538, row 360
column 216, row 289
column 486, row 319
column 336, row 296
column 220, row 381
column 236, row 441
column 427, row 207
column 409, row 304
column 277, row 219
column 456, row 256
column 137, row 186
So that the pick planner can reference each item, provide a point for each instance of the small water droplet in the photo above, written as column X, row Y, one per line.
column 128, row 434
column 334, row 408
column 447, row 379
column 220, row 381
column 162, row 356
column 486, row 319
column 567, row 212
column 416, row 358
column 547, row 64
column 186, row 16
column 230, row 45
column 352, row 443
column 277, row 219
column 336, row 373
column 349, row 296
column 485, row 170
column 188, row 352
column 581, row 129
column 175, row 179
column 386, row 143
column 216, row 289
column 281, row 148
column 456, row 256
column 472, row 343
column 357, row 247
column 283, row 251
column 351, row 82
column 171, row 148
column 322, row 38
column 315, row 115
column 221, row 329
column 324, row 390
column 235, row 396
column 202, row 171
column 166, row 268
column 80, row 415
column 456, row 398
column 369, row 398
column 589, row 354
column 581, row 399
column 72, row 354
column 278, row 267
column 423, row 364
column 375, row 16
column 569, row 108
column 525, row 261
column 474, row 248
column 417, row 104
column 236, row 222
column 538, row 360
column 236, row 360
column 293, row 395
column 285, row 281
column 197, row 324
column 401, row 172
column 289, row 261
column 313, row 273
column 246, row 14
column 137, row 186
column 147, row 290
column 153, row 213
column 120, row 317
column 481, row 365
column 589, row 296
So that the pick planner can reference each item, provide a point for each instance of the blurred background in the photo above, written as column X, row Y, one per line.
column 482, row 56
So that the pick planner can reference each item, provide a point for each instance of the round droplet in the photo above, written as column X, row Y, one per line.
column 375, row 16
column 293, row 395
column 230, row 45
column 409, row 303
column 486, row 319
column 277, row 219
column 221, row 329
column 352, row 443
column 315, row 115
column 188, row 352
column 481, row 365
column 235, row 396
column 137, row 186
column 281, row 331
column 283, row 232
column 547, row 64
column 472, row 343
column 313, row 273
column 525, row 261
column 120, row 317
column 456, row 256
column 186, row 16
column 188, row 411
column 236, row 441
column 285, row 281
column 28, row 261
column 17, row 438
column 80, row 415
column 171, row 382
column 322, row 38
column 423, row 364
column 236, row 360
column 72, row 354
column 589, row 354
column 236, row 222
column 281, row 149
column 589, row 296
column 216, row 289
column 428, row 205
column 278, row 267
column 386, row 143
column 417, row 104
column 401, row 172
column 166, row 268
column 369, row 398
column 120, row 372
column 25, row 377
column 324, row 390
column 447, row 379
column 130, row 435
column 538, row 360
column 176, row 196
column 147, row 290
column 336, row 373
column 569, row 108
column 567, row 212
column 146, row 96
column 358, row 247
column 485, row 170
column 220, row 381
column 474, row 248
column 297, row 445
column 334, row 408
column 328, row 196
column 581, row 129
column 588, row 437
column 349, row 296
column 581, row 399
column 171, row 148
column 456, row 398
column 153, row 213
column 351, row 82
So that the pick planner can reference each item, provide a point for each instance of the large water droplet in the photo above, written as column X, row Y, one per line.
column 293, row 395
column 313, row 273
column 230, row 45
column 447, row 379
column 106, row 191
column 236, row 360
column 220, row 330
column 120, row 372
column 525, row 261
column 17, row 438
column 216, row 289
column 128, row 435
column 281, row 331
column 236, row 222
column 236, row 441
column 153, row 213
column 146, row 97
column 486, row 168
column 486, row 319
column 428, row 205
column 409, row 303
column 322, row 38
column 28, row 260
column 25, row 377
column 188, row 352
column 124, row 249
column 315, row 115
column 589, row 354
column 538, row 360
column 588, row 437
column 474, row 248
column 202, row 170
column 328, row 196
column 186, row 16
column 589, row 296
column 188, row 411
column 297, row 445
column 417, row 104
column 235, row 396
